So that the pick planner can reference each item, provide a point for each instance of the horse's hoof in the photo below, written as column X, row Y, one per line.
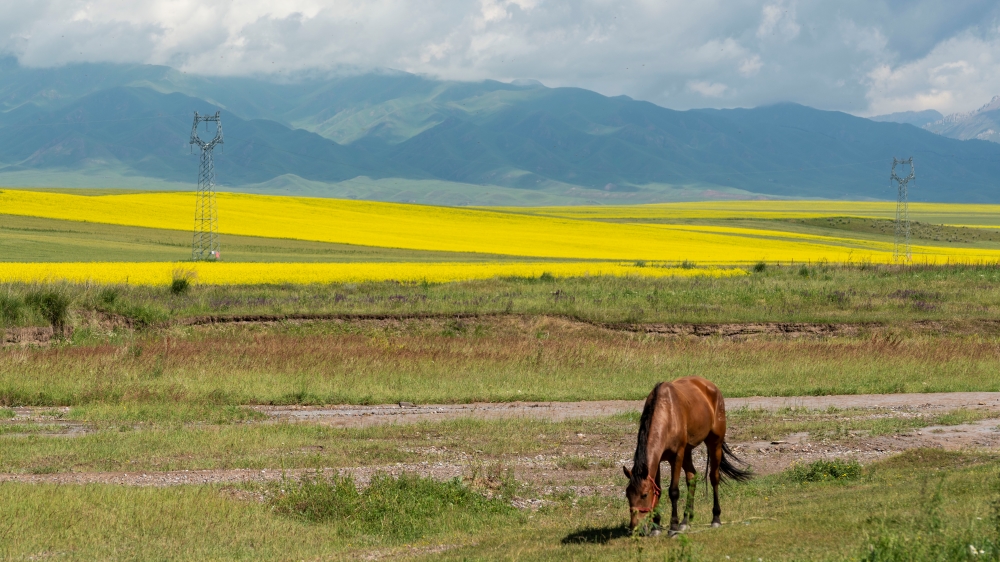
column 673, row 533
column 716, row 524
column 682, row 528
column 654, row 533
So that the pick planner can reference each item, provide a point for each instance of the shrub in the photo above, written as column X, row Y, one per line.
column 546, row 276
column 182, row 280
column 11, row 309
column 760, row 267
column 51, row 305
column 687, row 264
column 804, row 271
column 108, row 296
column 825, row 471
column 179, row 285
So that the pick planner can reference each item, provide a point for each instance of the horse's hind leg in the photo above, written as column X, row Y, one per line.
column 692, row 482
column 714, row 462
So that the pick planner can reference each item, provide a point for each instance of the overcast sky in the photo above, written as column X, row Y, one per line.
column 861, row 56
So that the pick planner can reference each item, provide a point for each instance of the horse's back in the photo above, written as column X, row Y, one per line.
column 703, row 407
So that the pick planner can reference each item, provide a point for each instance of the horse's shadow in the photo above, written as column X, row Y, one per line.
column 596, row 535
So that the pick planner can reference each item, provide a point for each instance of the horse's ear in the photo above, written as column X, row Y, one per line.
column 628, row 473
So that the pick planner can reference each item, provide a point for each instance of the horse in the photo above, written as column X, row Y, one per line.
column 677, row 417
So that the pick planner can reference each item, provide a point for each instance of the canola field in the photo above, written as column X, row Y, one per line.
column 589, row 240
column 159, row 273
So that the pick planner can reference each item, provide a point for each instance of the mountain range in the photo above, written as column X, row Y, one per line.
column 397, row 136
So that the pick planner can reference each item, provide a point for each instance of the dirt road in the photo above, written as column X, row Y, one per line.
column 363, row 416
column 547, row 472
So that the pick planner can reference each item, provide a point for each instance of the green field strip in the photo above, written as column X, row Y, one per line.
column 860, row 229
column 34, row 239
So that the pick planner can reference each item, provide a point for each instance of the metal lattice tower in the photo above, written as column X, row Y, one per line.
column 901, row 250
column 205, row 245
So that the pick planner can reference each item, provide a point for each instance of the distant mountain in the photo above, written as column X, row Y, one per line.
column 397, row 136
column 982, row 124
column 915, row 118
column 147, row 133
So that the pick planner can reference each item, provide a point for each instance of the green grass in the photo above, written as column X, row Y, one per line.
column 862, row 293
column 855, row 228
column 944, row 498
column 389, row 509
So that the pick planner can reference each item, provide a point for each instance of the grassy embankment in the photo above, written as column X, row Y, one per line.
column 920, row 329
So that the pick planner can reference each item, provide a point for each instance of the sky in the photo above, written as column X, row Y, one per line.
column 865, row 57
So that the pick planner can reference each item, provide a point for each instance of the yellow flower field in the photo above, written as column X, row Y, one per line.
column 161, row 273
column 519, row 234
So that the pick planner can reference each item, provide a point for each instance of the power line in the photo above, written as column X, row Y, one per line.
column 205, row 245
column 901, row 248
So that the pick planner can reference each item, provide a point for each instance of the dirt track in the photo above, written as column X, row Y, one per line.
column 544, row 471
column 362, row 416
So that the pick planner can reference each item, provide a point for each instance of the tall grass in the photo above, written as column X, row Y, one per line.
column 458, row 361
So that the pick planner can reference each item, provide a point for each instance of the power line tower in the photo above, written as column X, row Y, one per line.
column 205, row 245
column 901, row 249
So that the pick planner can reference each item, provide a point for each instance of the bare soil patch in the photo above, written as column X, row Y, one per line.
column 27, row 336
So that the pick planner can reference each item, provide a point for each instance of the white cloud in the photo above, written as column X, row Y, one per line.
column 750, row 66
column 958, row 75
column 777, row 21
column 707, row 89
column 856, row 55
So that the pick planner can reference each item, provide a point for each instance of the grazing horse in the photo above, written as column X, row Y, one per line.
column 677, row 417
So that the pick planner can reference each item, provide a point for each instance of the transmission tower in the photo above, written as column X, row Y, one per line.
column 901, row 249
column 206, row 220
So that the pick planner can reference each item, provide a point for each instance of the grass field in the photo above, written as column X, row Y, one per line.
column 925, row 504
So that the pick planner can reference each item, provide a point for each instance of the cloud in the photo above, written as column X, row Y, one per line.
column 750, row 66
column 707, row 89
column 863, row 56
column 959, row 74
column 778, row 21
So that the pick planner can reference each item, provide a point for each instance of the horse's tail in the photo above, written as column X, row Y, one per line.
column 729, row 469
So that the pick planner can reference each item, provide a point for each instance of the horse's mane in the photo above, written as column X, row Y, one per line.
column 640, row 470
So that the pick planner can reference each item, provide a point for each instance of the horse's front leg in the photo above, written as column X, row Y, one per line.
column 656, row 512
column 675, row 489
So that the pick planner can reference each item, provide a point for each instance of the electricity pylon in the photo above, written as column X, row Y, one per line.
column 205, row 245
column 901, row 249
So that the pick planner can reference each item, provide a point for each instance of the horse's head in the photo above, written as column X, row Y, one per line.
column 643, row 495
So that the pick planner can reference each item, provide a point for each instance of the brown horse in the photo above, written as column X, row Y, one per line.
column 676, row 418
